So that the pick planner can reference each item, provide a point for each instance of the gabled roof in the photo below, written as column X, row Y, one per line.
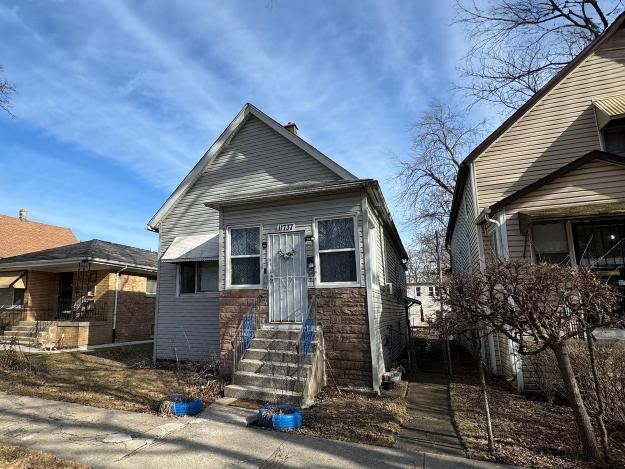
column 19, row 237
column 94, row 250
column 224, row 138
column 595, row 155
column 463, row 172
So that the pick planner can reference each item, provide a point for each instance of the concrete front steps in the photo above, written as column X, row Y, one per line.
column 25, row 333
column 268, row 371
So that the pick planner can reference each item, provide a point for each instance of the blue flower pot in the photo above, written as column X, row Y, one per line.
column 268, row 417
column 180, row 407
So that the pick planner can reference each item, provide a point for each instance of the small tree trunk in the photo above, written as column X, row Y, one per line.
column 582, row 420
column 605, row 445
column 477, row 346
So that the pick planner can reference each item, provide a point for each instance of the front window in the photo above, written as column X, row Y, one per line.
column 600, row 244
column 198, row 277
column 11, row 297
column 245, row 256
column 550, row 243
column 337, row 251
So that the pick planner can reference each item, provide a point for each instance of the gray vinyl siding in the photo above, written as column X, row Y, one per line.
column 256, row 158
column 389, row 311
column 465, row 246
column 301, row 213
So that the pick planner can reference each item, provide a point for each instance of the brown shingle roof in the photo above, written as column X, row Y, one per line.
column 21, row 237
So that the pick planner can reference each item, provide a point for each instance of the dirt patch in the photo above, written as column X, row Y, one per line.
column 356, row 417
column 122, row 379
column 528, row 433
column 15, row 457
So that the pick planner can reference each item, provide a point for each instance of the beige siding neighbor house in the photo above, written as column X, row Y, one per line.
column 267, row 250
column 549, row 183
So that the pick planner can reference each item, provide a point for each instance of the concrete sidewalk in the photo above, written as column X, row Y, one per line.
column 429, row 427
column 216, row 438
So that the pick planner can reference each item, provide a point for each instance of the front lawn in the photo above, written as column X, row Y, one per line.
column 16, row 457
column 121, row 379
column 356, row 417
column 528, row 433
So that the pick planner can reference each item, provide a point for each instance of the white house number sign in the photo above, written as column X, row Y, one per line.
column 285, row 227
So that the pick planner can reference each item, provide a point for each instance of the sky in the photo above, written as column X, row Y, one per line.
column 117, row 100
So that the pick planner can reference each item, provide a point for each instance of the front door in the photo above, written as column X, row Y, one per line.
column 286, row 267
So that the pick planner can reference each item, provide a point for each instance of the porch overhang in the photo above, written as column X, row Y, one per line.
column 204, row 247
column 12, row 279
column 613, row 209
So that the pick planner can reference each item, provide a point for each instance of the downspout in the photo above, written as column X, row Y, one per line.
column 115, row 304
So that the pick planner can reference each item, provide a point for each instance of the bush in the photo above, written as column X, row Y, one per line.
column 610, row 360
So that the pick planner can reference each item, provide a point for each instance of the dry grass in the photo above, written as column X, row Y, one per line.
column 527, row 433
column 15, row 457
column 120, row 379
column 355, row 417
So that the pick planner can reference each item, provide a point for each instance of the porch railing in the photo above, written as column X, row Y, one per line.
column 245, row 333
column 88, row 310
column 306, row 336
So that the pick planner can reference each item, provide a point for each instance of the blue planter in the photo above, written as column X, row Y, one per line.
column 180, row 407
column 268, row 417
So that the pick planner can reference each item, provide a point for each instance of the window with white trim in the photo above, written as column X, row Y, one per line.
column 244, row 259
column 198, row 277
column 337, row 251
column 150, row 286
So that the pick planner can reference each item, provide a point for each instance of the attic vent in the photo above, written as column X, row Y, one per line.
column 291, row 127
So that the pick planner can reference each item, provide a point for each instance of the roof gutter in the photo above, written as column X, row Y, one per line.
column 54, row 262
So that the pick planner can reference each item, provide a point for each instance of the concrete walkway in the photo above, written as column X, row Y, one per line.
column 217, row 438
column 429, row 427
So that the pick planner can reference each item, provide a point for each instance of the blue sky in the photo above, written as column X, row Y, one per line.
column 117, row 101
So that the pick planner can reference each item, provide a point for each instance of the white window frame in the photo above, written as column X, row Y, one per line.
column 147, row 279
column 196, row 293
column 356, row 249
column 229, row 284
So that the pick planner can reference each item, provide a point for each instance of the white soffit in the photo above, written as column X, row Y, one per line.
column 202, row 247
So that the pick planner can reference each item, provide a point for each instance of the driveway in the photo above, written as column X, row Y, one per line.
column 216, row 438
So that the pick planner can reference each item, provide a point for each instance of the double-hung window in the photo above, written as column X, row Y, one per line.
column 337, row 251
column 244, row 259
column 11, row 297
column 198, row 277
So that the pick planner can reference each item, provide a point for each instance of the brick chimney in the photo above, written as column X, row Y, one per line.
column 291, row 127
column 23, row 214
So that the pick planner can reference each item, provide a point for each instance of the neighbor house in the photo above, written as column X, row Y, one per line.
column 549, row 183
column 267, row 224
column 421, row 314
column 87, row 293
column 19, row 235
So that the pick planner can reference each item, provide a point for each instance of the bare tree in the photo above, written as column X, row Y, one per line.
column 443, row 137
column 518, row 45
column 544, row 306
column 5, row 91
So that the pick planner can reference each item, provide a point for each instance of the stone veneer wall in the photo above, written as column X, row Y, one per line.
column 233, row 304
column 342, row 313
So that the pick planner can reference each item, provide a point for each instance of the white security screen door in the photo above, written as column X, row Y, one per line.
column 288, row 297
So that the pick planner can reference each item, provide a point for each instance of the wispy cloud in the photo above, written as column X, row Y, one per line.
column 143, row 88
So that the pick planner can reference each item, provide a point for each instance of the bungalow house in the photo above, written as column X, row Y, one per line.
column 19, row 235
column 269, row 248
column 87, row 293
column 549, row 183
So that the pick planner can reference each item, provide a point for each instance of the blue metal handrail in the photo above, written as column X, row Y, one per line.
column 306, row 335
column 252, row 320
